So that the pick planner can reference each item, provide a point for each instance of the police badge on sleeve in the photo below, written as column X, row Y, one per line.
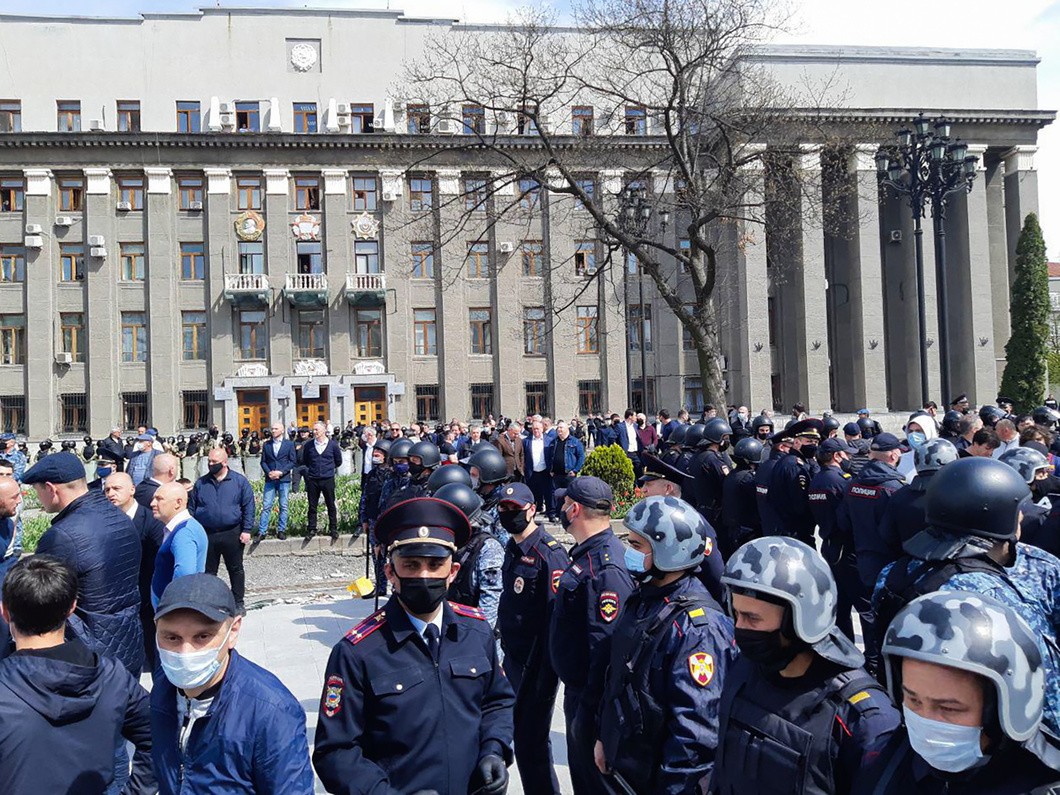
column 333, row 696
column 609, row 606
column 701, row 666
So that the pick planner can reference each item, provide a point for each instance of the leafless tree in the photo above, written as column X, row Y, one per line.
column 677, row 105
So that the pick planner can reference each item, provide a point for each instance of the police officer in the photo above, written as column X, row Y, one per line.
column 780, row 446
column 799, row 713
column 739, row 503
column 1041, row 521
column 422, row 458
column 969, row 675
column 399, row 477
column 414, row 697
column 762, row 429
column 669, row 655
column 865, row 503
column 708, row 470
column 974, row 508
column 674, row 443
column 789, row 482
column 590, row 597
column 661, row 480
column 371, row 490
column 478, row 583
column 533, row 564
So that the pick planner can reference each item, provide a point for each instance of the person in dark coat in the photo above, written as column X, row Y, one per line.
column 101, row 545
column 112, row 450
column 61, row 704
column 119, row 490
column 321, row 458
column 164, row 469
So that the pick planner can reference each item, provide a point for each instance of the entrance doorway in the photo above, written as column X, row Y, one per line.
column 369, row 404
column 310, row 410
column 253, row 409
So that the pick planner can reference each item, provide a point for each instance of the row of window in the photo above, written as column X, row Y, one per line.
column 248, row 115
column 73, row 411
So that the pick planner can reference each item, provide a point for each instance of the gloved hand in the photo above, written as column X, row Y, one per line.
column 490, row 776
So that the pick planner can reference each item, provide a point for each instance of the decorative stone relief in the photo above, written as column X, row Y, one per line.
column 306, row 227
column 249, row 225
column 365, row 226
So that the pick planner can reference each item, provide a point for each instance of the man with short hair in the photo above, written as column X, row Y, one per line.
column 226, row 726
column 629, row 441
column 511, row 446
column 61, row 704
column 164, row 469
column 184, row 544
column 278, row 460
column 141, row 457
column 10, row 502
column 537, row 454
column 568, row 458
column 967, row 427
column 321, row 458
column 982, row 445
column 112, row 450
column 223, row 503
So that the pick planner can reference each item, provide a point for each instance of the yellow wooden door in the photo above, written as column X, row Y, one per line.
column 253, row 409
column 311, row 410
column 369, row 404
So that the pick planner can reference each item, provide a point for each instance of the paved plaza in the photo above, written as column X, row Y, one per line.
column 293, row 639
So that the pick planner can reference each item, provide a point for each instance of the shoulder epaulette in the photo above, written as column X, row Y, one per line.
column 697, row 614
column 552, row 543
column 366, row 627
column 469, row 612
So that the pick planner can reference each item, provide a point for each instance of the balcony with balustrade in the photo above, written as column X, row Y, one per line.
column 306, row 290
column 247, row 290
column 366, row 289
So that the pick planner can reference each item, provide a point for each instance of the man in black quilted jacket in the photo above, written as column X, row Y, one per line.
column 98, row 541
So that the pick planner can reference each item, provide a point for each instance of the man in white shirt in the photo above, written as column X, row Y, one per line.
column 368, row 437
column 1009, row 436
column 537, row 454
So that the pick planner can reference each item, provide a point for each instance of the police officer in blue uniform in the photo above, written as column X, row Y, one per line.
column 780, row 446
column 799, row 713
column 658, row 725
column 590, row 597
column 673, row 444
column 414, row 697
column 533, row 564
column 398, row 478
column 789, row 483
column 708, row 470
column 739, row 502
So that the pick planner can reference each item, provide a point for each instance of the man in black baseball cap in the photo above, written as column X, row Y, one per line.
column 256, row 727
column 414, row 696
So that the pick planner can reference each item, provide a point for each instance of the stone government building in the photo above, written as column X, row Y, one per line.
column 210, row 218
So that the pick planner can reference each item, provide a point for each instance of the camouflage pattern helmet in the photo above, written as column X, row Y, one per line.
column 788, row 571
column 933, row 455
column 1026, row 461
column 978, row 634
column 676, row 531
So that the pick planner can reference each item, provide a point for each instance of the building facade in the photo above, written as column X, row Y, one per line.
column 228, row 217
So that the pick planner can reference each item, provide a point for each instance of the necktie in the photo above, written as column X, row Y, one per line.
column 431, row 635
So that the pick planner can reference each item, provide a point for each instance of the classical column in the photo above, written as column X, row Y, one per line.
column 42, row 276
column 164, row 345
column 222, row 256
column 994, row 181
column 1021, row 194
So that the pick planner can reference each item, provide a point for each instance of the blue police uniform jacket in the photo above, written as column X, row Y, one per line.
column 392, row 721
column 788, row 496
column 862, row 513
column 530, row 575
column 1031, row 587
column 681, row 673
column 251, row 740
column 763, row 476
column 739, row 509
column 589, row 599
column 826, row 493
column 101, row 545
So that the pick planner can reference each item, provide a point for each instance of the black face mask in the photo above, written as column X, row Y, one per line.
column 416, row 469
column 514, row 522
column 765, row 648
column 808, row 451
column 844, row 464
column 564, row 519
column 215, row 469
column 723, row 445
column 421, row 595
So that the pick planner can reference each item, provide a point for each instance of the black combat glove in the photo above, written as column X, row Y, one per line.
column 490, row 776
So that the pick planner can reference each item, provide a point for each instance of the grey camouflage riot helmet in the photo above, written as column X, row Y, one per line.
column 978, row 634
column 676, row 531
column 933, row 455
column 715, row 430
column 1026, row 461
column 787, row 571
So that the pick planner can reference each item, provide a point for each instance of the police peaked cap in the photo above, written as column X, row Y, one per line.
column 657, row 469
column 423, row 526
column 810, row 427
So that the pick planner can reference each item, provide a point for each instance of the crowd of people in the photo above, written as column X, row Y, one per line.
column 714, row 649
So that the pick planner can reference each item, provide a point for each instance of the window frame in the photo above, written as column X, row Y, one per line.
column 477, row 261
column 428, row 405
column 71, row 335
column 590, row 396
column 133, row 263
column 534, row 331
column 128, row 115
column 481, row 403
column 418, row 118
column 68, row 115
column 247, row 187
column 421, row 200
column 134, row 342
column 588, row 332
column 635, row 120
column 252, row 327
column 134, row 408
column 12, row 195
column 12, row 263
column 315, row 328
column 366, row 257
column 13, row 413
column 197, row 322
column 194, row 405
column 73, row 412
column 196, row 260
column 364, row 190
column 362, row 114
column 585, row 258
column 305, row 117
column 71, row 190
column 12, row 339
column 365, row 349
column 473, row 119
column 539, row 404
column 189, row 189
column 307, row 193
column 74, row 254
column 11, row 112
column 476, row 194
column 252, row 252
column 189, row 116
column 582, row 121
column 131, row 190
column 532, row 253
column 635, row 324
column 425, row 331
column 422, row 253
column 250, row 109
column 480, row 330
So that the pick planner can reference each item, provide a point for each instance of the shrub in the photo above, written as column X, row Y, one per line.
column 347, row 504
column 612, row 465
column 1025, row 352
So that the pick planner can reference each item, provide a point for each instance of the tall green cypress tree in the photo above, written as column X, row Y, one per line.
column 1027, row 348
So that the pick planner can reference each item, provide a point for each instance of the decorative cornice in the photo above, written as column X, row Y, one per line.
column 218, row 180
column 1019, row 158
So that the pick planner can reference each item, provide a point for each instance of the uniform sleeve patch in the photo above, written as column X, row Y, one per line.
column 708, row 547
column 609, row 606
column 701, row 666
column 469, row 612
column 857, row 698
column 696, row 613
column 332, row 696
column 556, row 574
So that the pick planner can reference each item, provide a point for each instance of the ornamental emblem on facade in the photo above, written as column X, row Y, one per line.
column 306, row 227
column 249, row 225
column 303, row 57
column 365, row 226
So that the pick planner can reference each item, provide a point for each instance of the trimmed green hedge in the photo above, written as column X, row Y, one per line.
column 611, row 464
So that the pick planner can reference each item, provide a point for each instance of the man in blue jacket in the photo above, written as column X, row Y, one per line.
column 278, row 459
column 321, row 459
column 184, row 544
column 222, row 501
column 220, row 723
column 61, row 704
column 101, row 545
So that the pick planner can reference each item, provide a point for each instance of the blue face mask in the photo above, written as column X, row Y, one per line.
column 401, row 469
column 102, row 472
column 944, row 746
column 635, row 561
column 916, row 439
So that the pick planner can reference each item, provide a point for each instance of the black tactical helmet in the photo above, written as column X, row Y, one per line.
column 715, row 430
column 400, row 448
column 87, row 439
column 428, row 454
column 469, row 503
column 969, row 498
column 749, row 451
column 383, row 445
column 481, row 444
column 68, row 444
column 950, row 421
column 443, row 476
column 678, row 435
column 990, row 415
column 867, row 426
column 830, row 424
column 694, row 435
column 1043, row 415
column 761, row 421
column 490, row 465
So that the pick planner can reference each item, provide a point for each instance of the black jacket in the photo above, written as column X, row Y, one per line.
column 112, row 450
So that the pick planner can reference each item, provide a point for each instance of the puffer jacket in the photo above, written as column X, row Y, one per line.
column 100, row 543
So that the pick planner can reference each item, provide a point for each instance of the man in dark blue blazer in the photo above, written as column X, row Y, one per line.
column 321, row 458
column 278, row 458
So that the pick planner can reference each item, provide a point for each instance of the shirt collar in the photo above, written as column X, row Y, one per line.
column 181, row 517
column 420, row 625
column 530, row 541
column 131, row 510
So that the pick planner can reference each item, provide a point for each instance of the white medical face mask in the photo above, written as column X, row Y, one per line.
column 191, row 669
column 944, row 746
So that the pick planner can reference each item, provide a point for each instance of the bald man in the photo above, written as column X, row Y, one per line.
column 120, row 491
column 10, row 499
column 183, row 549
column 164, row 469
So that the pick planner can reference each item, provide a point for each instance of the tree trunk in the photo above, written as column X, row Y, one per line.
column 708, row 353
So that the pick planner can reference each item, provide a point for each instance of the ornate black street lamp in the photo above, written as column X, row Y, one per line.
column 928, row 167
